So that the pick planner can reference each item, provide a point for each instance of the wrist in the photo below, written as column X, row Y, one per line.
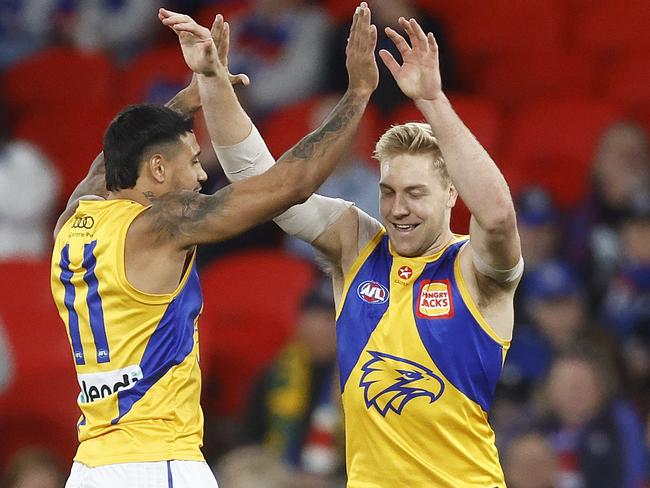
column 360, row 92
column 440, row 102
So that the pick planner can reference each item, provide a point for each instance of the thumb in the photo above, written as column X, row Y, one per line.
column 240, row 78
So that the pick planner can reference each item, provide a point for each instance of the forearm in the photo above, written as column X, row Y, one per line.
column 475, row 175
column 186, row 101
column 226, row 120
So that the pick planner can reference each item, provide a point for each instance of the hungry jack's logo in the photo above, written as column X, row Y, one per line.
column 435, row 300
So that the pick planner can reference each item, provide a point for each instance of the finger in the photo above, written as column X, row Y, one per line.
column 373, row 38
column 225, row 41
column 353, row 28
column 217, row 27
column 433, row 45
column 401, row 44
column 163, row 12
column 174, row 18
column 419, row 38
column 239, row 79
column 192, row 28
column 389, row 61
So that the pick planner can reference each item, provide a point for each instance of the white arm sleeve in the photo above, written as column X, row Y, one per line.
column 306, row 221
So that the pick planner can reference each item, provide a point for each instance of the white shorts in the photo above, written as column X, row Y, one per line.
column 160, row 474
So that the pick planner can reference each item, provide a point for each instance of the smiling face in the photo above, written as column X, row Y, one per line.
column 416, row 201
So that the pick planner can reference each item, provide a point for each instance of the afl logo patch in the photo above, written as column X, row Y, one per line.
column 434, row 300
column 372, row 292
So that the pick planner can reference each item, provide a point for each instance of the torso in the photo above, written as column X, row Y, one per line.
column 131, row 348
column 419, row 365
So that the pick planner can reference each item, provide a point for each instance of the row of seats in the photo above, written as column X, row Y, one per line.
column 485, row 28
column 246, row 319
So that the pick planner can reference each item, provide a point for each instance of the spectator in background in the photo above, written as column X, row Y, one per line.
column 295, row 407
column 26, row 26
column 627, row 300
column 34, row 468
column 122, row 27
column 28, row 194
column 388, row 96
column 538, row 221
column 281, row 44
column 597, row 436
column 620, row 188
column 530, row 462
column 539, row 226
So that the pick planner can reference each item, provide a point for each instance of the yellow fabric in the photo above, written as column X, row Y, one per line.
column 165, row 422
column 443, row 443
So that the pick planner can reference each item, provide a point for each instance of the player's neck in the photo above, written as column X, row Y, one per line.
column 135, row 194
column 441, row 242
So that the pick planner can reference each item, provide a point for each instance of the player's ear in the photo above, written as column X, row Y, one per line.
column 452, row 196
column 156, row 167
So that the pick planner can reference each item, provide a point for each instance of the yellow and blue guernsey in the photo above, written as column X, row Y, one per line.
column 419, row 367
column 136, row 354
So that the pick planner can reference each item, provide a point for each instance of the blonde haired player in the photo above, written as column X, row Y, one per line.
column 424, row 316
column 123, row 268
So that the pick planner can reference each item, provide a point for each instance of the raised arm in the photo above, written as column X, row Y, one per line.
column 329, row 224
column 493, row 230
column 93, row 186
column 189, row 218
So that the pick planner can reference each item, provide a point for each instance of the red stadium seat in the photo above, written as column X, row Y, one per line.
column 155, row 76
column 252, row 302
column 511, row 26
column 553, row 141
column 482, row 116
column 40, row 404
column 608, row 27
column 71, row 137
column 288, row 125
column 515, row 79
column 629, row 80
column 56, row 77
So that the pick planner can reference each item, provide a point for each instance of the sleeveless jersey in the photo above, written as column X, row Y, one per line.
column 136, row 354
column 419, row 366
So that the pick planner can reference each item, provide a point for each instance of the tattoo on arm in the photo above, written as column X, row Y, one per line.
column 344, row 111
column 182, row 213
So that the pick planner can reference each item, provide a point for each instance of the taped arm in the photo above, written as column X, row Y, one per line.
column 306, row 221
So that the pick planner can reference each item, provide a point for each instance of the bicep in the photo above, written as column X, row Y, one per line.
column 500, row 250
column 344, row 239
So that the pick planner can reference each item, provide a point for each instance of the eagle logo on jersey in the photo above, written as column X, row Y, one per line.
column 390, row 382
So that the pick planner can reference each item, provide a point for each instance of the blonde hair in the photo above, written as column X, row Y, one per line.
column 411, row 138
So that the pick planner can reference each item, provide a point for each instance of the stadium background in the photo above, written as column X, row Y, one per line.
column 552, row 89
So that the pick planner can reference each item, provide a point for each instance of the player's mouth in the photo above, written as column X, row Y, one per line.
column 404, row 227
column 198, row 189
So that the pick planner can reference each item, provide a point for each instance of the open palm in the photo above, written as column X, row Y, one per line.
column 419, row 74
column 196, row 41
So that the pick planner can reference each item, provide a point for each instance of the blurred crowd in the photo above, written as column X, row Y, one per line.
column 557, row 92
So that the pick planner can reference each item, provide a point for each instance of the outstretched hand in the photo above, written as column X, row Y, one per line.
column 198, row 48
column 221, row 36
column 360, row 52
column 419, row 75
